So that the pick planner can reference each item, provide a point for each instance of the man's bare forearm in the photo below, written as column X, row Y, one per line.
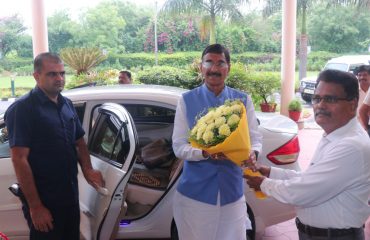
column 364, row 115
column 83, row 155
column 25, row 176
column 93, row 177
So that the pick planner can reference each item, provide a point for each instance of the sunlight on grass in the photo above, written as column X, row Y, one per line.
column 19, row 81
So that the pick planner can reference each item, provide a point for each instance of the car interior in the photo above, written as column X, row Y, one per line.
column 156, row 167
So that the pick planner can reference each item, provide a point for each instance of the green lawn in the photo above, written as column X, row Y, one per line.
column 19, row 81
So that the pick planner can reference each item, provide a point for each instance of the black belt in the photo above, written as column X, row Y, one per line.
column 324, row 232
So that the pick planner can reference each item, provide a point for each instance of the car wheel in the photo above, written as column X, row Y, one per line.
column 174, row 233
column 306, row 97
column 251, row 234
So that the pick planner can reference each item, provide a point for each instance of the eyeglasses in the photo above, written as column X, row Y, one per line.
column 211, row 64
column 328, row 99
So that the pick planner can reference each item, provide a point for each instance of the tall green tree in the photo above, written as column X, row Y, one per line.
column 208, row 9
column 10, row 30
column 62, row 31
column 271, row 6
column 102, row 27
column 343, row 30
column 136, row 18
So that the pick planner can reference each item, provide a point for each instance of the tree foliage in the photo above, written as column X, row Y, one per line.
column 342, row 30
column 82, row 59
column 119, row 27
column 208, row 10
column 11, row 28
column 63, row 32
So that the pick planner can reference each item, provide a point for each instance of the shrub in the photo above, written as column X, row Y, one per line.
column 130, row 60
column 170, row 76
column 9, row 64
column 108, row 77
column 238, row 77
column 263, row 85
column 295, row 105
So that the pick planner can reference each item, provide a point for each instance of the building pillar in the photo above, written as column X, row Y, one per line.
column 288, row 53
column 39, row 28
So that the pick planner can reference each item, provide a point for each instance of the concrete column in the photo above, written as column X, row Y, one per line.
column 288, row 52
column 39, row 28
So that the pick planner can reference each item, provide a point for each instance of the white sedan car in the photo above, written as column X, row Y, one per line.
column 127, row 126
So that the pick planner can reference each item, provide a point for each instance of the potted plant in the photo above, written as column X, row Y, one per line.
column 260, row 85
column 295, row 109
column 264, row 85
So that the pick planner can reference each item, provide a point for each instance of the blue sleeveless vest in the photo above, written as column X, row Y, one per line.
column 202, row 180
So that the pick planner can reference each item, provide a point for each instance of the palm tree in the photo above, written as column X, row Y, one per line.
column 208, row 10
column 82, row 59
column 273, row 6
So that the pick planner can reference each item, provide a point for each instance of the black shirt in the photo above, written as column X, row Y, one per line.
column 50, row 131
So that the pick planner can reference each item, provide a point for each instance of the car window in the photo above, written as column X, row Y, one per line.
column 337, row 66
column 110, row 142
column 142, row 113
column 4, row 142
column 150, row 113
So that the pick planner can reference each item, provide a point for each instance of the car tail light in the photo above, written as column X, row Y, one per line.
column 285, row 154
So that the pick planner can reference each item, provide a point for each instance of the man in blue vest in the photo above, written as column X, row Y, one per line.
column 209, row 202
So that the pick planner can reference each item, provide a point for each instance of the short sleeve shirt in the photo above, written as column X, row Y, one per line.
column 50, row 131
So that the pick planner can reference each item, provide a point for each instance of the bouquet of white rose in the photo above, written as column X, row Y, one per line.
column 225, row 129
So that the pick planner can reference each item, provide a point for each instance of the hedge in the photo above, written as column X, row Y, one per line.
column 255, row 60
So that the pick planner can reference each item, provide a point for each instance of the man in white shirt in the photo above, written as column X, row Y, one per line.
column 331, row 195
column 363, row 75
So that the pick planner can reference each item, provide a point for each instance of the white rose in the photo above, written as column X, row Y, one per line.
column 233, row 119
column 224, row 130
column 219, row 121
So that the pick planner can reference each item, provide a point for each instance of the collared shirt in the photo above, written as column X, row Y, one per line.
column 203, row 179
column 333, row 192
column 50, row 131
column 181, row 145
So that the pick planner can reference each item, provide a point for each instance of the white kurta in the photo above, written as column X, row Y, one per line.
column 197, row 220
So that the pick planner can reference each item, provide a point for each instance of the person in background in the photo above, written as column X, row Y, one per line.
column 46, row 141
column 209, row 202
column 363, row 75
column 331, row 196
column 124, row 77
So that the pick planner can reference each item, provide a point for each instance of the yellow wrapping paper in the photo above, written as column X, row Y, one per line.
column 236, row 147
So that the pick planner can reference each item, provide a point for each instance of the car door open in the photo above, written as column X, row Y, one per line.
column 112, row 145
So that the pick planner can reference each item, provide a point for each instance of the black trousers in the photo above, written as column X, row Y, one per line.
column 66, row 223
